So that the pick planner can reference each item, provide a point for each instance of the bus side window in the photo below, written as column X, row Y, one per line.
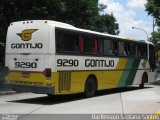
column 129, row 49
column 125, row 49
column 111, row 47
column 133, row 49
column 122, row 50
column 108, row 47
column 89, row 45
column 100, row 46
column 88, row 42
column 116, row 48
column 60, row 41
column 81, row 45
column 72, row 40
column 142, row 50
column 70, row 43
column 95, row 49
column 145, row 50
column 67, row 42
column 138, row 50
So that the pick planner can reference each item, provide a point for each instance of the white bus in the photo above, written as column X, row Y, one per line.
column 53, row 58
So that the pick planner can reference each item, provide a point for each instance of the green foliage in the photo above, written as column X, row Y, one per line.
column 156, row 38
column 106, row 24
column 80, row 13
column 153, row 8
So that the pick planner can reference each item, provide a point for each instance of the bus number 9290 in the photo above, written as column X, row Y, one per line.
column 25, row 65
column 67, row 63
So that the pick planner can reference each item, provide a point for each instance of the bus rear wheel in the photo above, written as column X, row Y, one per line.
column 90, row 87
column 50, row 95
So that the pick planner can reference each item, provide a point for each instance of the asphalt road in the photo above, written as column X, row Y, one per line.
column 131, row 100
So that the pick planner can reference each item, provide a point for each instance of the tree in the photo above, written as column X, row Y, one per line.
column 156, row 38
column 153, row 8
column 106, row 24
column 80, row 13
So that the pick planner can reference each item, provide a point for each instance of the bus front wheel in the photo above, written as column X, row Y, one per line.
column 90, row 87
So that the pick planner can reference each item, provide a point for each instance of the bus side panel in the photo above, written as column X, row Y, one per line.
column 128, row 71
column 141, row 69
column 144, row 67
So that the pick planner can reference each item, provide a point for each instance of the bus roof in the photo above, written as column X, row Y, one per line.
column 71, row 27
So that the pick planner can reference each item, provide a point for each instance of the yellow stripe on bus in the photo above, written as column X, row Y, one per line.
column 120, row 66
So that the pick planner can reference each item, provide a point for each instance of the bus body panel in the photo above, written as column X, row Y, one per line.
column 35, row 66
column 29, row 52
column 126, row 71
column 28, row 38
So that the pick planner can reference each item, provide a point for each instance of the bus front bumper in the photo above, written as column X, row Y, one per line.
column 32, row 88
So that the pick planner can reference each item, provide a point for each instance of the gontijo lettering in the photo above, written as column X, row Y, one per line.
column 26, row 45
column 99, row 63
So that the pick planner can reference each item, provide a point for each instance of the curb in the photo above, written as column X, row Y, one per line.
column 7, row 92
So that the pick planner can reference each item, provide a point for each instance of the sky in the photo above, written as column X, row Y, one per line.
column 130, row 13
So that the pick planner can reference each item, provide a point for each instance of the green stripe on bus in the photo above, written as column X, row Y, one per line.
column 126, row 72
column 133, row 72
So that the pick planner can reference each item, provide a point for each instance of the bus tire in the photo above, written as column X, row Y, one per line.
column 144, row 79
column 50, row 95
column 90, row 87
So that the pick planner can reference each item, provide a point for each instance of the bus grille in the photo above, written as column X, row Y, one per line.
column 64, row 81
